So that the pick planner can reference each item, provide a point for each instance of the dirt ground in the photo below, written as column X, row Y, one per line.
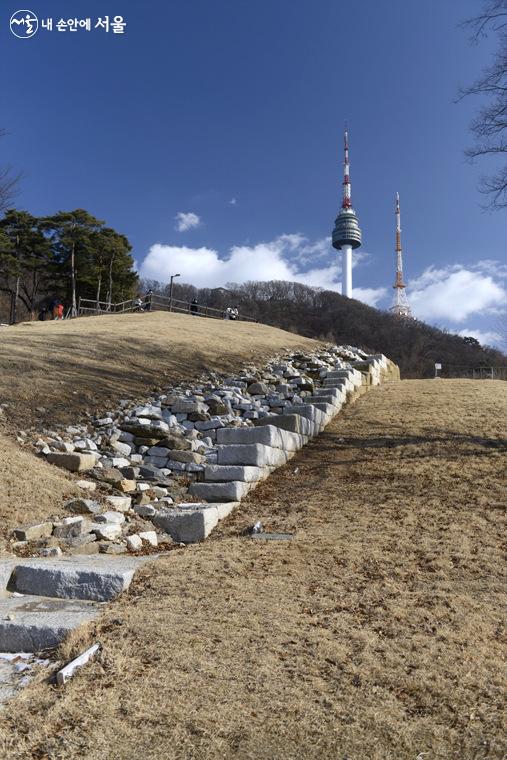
column 55, row 372
column 377, row 633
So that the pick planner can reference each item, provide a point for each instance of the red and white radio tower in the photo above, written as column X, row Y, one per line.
column 400, row 305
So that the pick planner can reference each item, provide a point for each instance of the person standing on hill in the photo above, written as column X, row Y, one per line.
column 59, row 309
column 194, row 307
column 148, row 300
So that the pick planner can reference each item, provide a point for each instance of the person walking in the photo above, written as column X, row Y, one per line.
column 194, row 307
column 60, row 311
column 148, row 300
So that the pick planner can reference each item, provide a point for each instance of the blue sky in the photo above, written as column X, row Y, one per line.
column 204, row 102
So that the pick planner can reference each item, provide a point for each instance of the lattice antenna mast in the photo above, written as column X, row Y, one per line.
column 400, row 305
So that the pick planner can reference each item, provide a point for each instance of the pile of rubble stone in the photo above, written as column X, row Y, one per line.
column 146, row 464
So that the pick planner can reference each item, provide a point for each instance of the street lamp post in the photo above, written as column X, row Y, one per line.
column 171, row 291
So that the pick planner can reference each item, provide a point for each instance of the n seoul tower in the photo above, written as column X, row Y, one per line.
column 400, row 307
column 346, row 233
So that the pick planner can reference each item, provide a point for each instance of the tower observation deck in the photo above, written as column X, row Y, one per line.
column 347, row 233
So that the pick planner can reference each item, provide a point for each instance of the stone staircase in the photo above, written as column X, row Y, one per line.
column 42, row 600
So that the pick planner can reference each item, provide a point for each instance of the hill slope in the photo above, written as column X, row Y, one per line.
column 413, row 345
column 375, row 633
column 70, row 367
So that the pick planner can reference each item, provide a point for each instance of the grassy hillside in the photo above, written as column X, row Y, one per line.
column 376, row 633
column 54, row 372
column 413, row 345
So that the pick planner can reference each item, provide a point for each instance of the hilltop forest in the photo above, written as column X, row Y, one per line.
column 324, row 314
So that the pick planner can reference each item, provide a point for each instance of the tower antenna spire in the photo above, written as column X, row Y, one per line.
column 400, row 307
column 346, row 233
column 347, row 201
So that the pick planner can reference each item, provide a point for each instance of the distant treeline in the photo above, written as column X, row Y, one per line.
column 66, row 256
column 323, row 314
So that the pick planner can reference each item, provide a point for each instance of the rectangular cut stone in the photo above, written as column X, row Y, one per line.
column 234, row 490
column 190, row 524
column 269, row 435
column 74, row 578
column 339, row 373
column 336, row 406
column 73, row 462
column 345, row 384
column 31, row 624
column 34, row 531
column 255, row 454
column 328, row 409
column 220, row 473
column 333, row 395
column 312, row 413
column 294, row 423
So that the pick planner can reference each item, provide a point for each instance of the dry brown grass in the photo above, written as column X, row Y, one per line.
column 376, row 634
column 30, row 489
column 69, row 367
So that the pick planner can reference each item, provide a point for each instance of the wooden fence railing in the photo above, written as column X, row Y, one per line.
column 155, row 302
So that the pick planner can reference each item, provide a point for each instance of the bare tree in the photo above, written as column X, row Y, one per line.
column 490, row 126
column 8, row 183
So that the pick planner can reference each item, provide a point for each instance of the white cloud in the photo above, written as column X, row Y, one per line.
column 485, row 337
column 186, row 221
column 371, row 296
column 279, row 259
column 233, row 202
column 453, row 293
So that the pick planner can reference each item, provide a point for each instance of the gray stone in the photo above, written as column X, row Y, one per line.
column 219, row 473
column 149, row 537
column 70, row 527
column 73, row 578
column 183, row 406
column 291, row 422
column 120, row 503
column 34, row 531
column 122, row 448
column 73, row 462
column 34, row 623
column 186, row 457
column 111, row 517
column 233, row 490
column 87, row 485
column 269, row 435
column 257, row 389
column 191, row 522
column 256, row 454
column 145, row 510
column 134, row 543
column 83, row 506
column 159, row 451
column 209, row 425
column 107, row 531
